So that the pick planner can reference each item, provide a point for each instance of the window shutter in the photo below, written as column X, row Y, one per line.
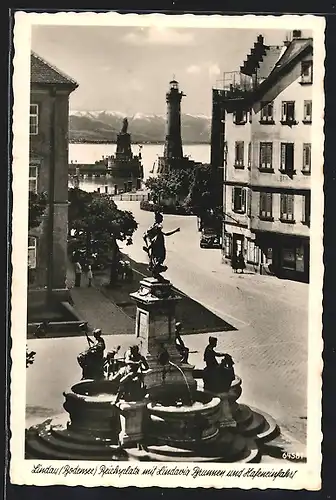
column 283, row 156
column 282, row 202
column 269, row 155
column 233, row 199
column 243, row 200
column 284, row 113
column 249, row 202
column 303, row 208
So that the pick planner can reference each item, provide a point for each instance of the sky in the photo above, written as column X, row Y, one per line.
column 128, row 69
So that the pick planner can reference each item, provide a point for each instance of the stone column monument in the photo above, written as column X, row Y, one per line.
column 156, row 302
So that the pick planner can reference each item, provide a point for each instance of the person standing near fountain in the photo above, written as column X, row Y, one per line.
column 211, row 364
column 155, row 246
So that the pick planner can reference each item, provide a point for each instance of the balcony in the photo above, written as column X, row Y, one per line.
column 235, row 84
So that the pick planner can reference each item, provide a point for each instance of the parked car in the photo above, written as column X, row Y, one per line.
column 210, row 239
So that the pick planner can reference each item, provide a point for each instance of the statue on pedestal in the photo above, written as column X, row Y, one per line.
column 155, row 246
column 92, row 360
column 130, row 376
column 180, row 345
column 124, row 126
column 217, row 377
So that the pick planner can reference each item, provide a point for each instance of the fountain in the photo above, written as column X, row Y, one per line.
column 162, row 413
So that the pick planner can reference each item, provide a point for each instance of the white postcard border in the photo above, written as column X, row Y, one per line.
column 306, row 476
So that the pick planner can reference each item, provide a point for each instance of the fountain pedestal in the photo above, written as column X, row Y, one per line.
column 132, row 415
column 156, row 302
column 226, row 419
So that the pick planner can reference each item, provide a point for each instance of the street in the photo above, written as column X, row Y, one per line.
column 269, row 345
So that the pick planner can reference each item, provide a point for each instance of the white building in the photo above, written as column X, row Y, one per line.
column 267, row 158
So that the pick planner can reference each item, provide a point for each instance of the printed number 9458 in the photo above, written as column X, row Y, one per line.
column 292, row 456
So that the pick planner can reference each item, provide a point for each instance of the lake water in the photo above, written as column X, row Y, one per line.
column 89, row 153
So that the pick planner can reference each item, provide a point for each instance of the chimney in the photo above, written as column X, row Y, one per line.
column 297, row 34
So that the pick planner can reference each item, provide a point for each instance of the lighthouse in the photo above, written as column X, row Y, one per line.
column 173, row 142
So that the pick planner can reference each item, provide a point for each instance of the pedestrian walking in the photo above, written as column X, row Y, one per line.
column 241, row 262
column 89, row 275
column 78, row 274
column 234, row 262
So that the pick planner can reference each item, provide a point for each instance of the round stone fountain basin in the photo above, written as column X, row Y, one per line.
column 183, row 424
column 90, row 404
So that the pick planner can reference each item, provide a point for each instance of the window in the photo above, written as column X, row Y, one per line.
column 239, row 117
column 33, row 174
column 288, row 258
column 239, row 200
column 287, row 158
column 31, row 252
column 306, row 164
column 288, row 112
column 239, row 154
column 307, row 72
column 33, row 119
column 227, row 245
column 307, row 111
column 265, row 206
column 266, row 114
column 266, row 150
column 252, row 252
column 287, row 207
column 306, row 209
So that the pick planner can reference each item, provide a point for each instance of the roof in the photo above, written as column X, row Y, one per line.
column 43, row 72
column 296, row 47
column 268, row 61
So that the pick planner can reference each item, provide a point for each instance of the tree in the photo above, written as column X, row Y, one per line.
column 99, row 219
column 37, row 206
column 173, row 184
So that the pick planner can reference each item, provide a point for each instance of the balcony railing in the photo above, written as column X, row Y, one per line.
column 234, row 82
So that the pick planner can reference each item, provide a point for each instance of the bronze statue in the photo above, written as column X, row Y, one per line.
column 217, row 377
column 92, row 360
column 155, row 246
column 124, row 126
column 180, row 345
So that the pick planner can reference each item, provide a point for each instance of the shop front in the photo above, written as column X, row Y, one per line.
column 284, row 256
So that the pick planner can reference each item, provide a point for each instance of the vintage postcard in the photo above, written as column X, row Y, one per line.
column 166, row 321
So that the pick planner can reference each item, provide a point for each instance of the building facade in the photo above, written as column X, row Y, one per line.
column 48, row 173
column 267, row 117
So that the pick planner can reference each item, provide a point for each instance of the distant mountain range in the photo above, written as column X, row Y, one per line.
column 103, row 126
